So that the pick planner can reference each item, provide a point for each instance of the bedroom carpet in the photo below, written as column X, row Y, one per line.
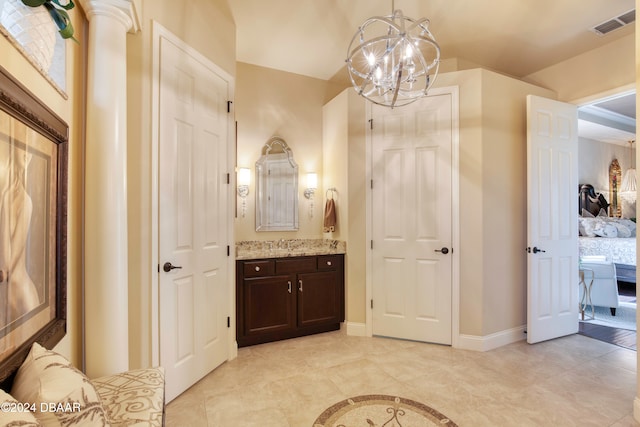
column 625, row 317
column 619, row 329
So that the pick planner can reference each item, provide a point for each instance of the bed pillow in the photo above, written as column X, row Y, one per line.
column 606, row 229
column 47, row 378
column 586, row 214
column 623, row 229
column 14, row 413
column 594, row 227
column 628, row 224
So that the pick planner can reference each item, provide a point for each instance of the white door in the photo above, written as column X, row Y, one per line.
column 411, row 220
column 552, row 219
column 193, row 217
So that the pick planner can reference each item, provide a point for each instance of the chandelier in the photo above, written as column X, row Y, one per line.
column 393, row 60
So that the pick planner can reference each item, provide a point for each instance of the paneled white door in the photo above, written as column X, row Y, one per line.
column 411, row 220
column 552, row 219
column 193, row 218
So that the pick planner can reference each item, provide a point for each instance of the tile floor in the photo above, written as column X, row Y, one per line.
column 571, row 381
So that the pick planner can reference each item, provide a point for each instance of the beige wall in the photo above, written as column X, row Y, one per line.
column 72, row 112
column 492, row 199
column 492, row 196
column 344, row 153
column 274, row 103
column 594, row 159
column 598, row 71
column 207, row 26
column 504, row 194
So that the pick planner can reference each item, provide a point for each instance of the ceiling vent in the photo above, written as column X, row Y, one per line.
column 615, row 23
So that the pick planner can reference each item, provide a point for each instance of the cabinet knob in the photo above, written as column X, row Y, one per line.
column 329, row 263
column 257, row 268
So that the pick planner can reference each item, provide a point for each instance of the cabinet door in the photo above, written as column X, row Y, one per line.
column 319, row 298
column 269, row 305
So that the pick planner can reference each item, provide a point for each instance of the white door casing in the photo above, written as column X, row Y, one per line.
column 193, row 216
column 412, row 156
column 552, row 215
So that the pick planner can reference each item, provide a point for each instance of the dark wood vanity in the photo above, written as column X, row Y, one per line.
column 281, row 298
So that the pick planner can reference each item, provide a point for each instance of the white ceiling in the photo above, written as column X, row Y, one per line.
column 611, row 120
column 516, row 37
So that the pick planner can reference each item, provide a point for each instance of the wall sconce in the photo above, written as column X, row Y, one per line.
column 244, row 178
column 312, row 184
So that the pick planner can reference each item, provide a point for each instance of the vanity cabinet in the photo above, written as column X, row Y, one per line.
column 280, row 298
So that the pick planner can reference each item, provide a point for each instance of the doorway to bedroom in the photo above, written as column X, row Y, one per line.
column 606, row 158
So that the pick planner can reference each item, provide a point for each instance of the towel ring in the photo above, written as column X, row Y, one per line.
column 332, row 190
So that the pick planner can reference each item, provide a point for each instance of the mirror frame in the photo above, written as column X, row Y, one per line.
column 275, row 146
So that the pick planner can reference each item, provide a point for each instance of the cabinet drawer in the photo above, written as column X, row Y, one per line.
column 297, row 265
column 329, row 262
column 258, row 268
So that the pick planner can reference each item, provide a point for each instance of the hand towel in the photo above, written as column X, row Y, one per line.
column 329, row 216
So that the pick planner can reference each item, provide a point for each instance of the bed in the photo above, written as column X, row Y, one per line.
column 614, row 238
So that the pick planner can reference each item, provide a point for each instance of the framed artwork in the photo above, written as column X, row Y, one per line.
column 33, row 217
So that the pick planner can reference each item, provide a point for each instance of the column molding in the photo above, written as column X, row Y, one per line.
column 124, row 11
column 106, row 270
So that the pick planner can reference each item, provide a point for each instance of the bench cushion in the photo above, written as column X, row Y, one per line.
column 14, row 413
column 47, row 378
column 134, row 397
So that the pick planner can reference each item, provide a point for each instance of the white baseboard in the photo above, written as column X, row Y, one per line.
column 491, row 341
column 636, row 408
column 356, row 329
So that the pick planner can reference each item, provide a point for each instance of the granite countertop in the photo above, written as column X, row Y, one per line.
column 254, row 249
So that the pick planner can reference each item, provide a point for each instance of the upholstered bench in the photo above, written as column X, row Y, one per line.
column 48, row 391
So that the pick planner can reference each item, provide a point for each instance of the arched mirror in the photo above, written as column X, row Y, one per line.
column 276, row 188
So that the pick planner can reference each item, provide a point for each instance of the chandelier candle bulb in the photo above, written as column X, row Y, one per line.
column 393, row 60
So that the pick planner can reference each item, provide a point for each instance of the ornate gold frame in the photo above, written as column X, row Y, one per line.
column 615, row 184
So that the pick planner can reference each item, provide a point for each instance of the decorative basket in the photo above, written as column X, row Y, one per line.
column 33, row 28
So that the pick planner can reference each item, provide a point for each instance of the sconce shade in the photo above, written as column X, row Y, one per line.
column 312, row 180
column 244, row 176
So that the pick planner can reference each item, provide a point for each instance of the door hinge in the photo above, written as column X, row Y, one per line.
column 372, row 304
column 371, row 184
column 158, row 268
column 228, row 250
column 371, row 123
column 229, row 106
column 228, row 322
column 228, row 178
column 372, row 244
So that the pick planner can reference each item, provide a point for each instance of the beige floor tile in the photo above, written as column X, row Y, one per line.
column 572, row 381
